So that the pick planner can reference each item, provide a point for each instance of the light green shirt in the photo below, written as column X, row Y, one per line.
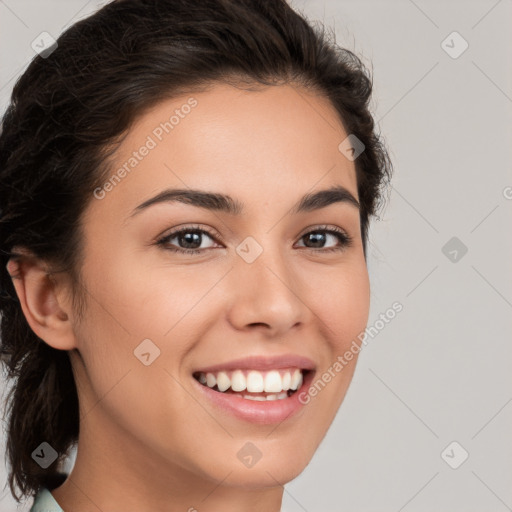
column 45, row 502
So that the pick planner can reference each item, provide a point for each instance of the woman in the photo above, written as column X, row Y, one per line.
column 186, row 189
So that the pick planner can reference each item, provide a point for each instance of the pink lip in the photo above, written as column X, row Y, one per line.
column 262, row 363
column 263, row 413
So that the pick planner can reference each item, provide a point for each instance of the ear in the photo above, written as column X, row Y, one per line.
column 39, row 293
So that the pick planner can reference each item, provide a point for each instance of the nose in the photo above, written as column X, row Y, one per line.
column 266, row 295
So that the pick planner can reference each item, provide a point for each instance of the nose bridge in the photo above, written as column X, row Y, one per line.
column 265, row 286
column 264, row 260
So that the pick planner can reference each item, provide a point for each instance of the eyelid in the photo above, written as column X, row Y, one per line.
column 323, row 227
column 190, row 227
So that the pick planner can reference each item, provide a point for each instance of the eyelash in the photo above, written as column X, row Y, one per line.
column 344, row 239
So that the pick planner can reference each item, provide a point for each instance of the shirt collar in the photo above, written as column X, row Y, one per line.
column 45, row 502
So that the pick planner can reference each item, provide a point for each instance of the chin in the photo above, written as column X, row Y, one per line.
column 272, row 464
column 269, row 475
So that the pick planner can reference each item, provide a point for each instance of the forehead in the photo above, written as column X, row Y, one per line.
column 277, row 139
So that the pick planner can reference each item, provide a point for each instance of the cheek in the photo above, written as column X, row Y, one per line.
column 152, row 300
column 342, row 312
column 128, row 305
column 342, row 302
column 124, row 309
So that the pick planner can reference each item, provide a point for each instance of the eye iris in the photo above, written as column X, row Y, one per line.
column 317, row 238
column 191, row 237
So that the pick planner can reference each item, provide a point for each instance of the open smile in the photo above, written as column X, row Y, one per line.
column 257, row 389
column 254, row 384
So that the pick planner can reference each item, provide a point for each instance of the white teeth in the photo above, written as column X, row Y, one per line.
column 254, row 382
column 287, row 380
column 260, row 398
column 238, row 382
column 223, row 381
column 210, row 380
column 274, row 382
column 296, row 380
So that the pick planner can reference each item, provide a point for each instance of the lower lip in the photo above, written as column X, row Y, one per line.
column 262, row 412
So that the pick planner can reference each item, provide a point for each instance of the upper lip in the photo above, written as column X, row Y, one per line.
column 258, row 362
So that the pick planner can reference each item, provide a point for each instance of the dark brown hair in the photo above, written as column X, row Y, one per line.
column 70, row 109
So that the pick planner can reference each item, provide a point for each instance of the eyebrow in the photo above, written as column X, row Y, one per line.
column 229, row 205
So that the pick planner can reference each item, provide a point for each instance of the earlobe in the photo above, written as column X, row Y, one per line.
column 38, row 294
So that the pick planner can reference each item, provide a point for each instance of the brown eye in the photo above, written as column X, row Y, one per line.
column 319, row 237
column 187, row 240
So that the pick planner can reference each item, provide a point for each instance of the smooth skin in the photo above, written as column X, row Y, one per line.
column 148, row 439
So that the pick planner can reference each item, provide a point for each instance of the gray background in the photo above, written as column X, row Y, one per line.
column 440, row 370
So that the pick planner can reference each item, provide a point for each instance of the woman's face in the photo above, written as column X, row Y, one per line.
column 258, row 304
